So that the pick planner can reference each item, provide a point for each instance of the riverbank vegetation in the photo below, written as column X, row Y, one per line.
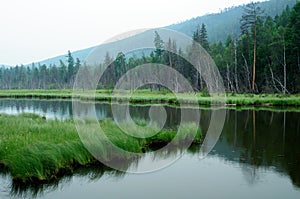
column 163, row 96
column 33, row 148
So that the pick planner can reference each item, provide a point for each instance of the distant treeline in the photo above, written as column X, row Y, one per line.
column 40, row 76
column 265, row 58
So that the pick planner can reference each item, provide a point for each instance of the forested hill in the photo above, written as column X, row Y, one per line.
column 219, row 26
column 227, row 22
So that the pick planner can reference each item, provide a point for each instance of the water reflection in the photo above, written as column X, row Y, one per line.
column 255, row 140
column 50, row 108
column 35, row 190
column 263, row 139
column 90, row 174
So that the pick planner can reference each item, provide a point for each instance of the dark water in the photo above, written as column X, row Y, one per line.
column 257, row 156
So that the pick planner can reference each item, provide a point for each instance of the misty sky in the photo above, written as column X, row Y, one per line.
column 33, row 30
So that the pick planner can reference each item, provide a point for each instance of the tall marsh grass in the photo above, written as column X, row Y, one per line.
column 33, row 148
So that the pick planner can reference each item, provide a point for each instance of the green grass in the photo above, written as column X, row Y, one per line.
column 263, row 100
column 35, row 149
column 163, row 97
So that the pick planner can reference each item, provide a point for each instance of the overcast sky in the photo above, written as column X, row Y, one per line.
column 33, row 30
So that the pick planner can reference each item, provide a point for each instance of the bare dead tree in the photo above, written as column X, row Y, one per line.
column 284, row 66
column 235, row 67
column 273, row 81
column 248, row 72
column 229, row 83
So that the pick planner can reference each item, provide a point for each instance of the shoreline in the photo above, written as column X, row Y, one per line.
column 162, row 97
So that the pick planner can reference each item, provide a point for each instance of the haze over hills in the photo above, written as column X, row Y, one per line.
column 219, row 26
column 227, row 22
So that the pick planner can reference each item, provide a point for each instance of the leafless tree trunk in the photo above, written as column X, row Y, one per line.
column 248, row 72
column 235, row 68
column 228, row 80
column 273, row 81
column 254, row 60
column 284, row 67
column 176, row 83
column 229, row 84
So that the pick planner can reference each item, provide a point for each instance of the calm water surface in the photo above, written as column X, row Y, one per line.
column 257, row 156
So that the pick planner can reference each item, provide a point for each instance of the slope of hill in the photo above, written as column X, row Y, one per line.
column 219, row 26
column 81, row 54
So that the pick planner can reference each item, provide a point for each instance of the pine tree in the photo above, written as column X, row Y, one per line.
column 70, row 61
column 252, row 12
column 120, row 65
column 159, row 46
column 196, row 35
column 77, row 66
column 203, row 38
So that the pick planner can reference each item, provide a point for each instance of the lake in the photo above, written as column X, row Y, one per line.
column 257, row 156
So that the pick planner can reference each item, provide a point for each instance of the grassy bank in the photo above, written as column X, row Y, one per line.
column 148, row 97
column 35, row 149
